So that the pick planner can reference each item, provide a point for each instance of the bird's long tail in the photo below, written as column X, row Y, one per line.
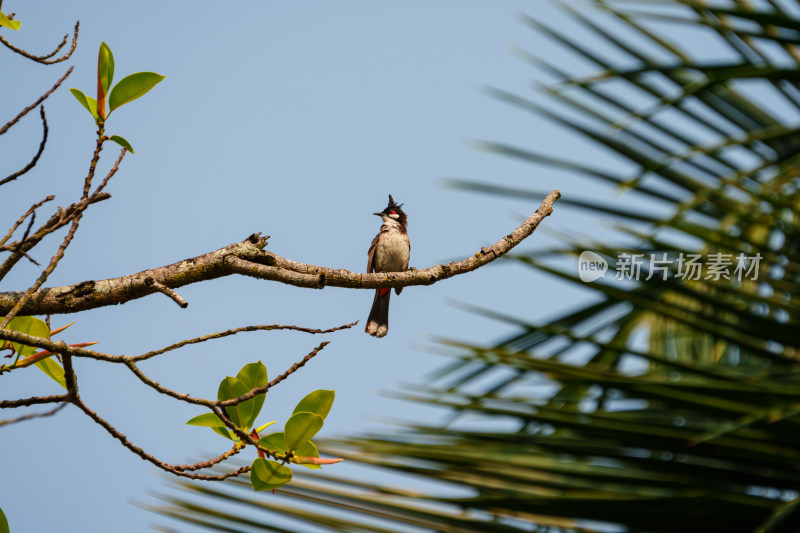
column 378, row 321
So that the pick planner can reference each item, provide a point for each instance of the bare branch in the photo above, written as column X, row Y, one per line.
column 261, row 390
column 30, row 225
column 45, row 273
column 229, row 332
column 31, row 259
column 78, row 351
column 51, row 412
column 25, row 236
column 110, row 173
column 38, row 101
column 177, row 298
column 249, row 258
column 184, row 470
column 45, row 59
column 211, row 462
column 75, row 217
column 166, row 391
column 59, row 219
column 226, row 403
column 35, row 159
column 19, row 222
column 178, row 470
column 35, row 400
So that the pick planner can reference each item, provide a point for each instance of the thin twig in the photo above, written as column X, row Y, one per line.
column 30, row 225
column 51, row 412
column 173, row 469
column 217, row 403
column 38, row 101
column 177, row 298
column 62, row 347
column 164, row 390
column 110, row 174
column 45, row 59
column 19, row 222
column 25, row 236
column 35, row 159
column 229, row 332
column 87, row 182
column 59, row 219
column 45, row 273
column 85, row 199
column 35, row 400
column 31, row 259
column 261, row 390
column 211, row 462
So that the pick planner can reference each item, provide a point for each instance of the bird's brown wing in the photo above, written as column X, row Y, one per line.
column 371, row 255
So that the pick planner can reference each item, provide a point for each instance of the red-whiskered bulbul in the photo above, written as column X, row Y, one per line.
column 389, row 253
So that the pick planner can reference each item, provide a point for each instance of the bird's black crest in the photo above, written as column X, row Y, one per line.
column 392, row 204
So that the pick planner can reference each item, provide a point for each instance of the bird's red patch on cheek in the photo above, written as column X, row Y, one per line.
column 383, row 292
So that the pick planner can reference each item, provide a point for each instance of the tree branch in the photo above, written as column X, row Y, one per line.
column 178, row 470
column 249, row 258
column 59, row 219
column 45, row 59
column 174, row 296
column 27, row 213
column 62, row 347
column 261, row 390
column 35, row 400
column 31, row 416
column 36, row 157
column 38, row 101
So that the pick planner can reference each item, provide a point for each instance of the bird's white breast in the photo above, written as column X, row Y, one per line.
column 392, row 253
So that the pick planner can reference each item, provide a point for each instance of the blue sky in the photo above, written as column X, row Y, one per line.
column 295, row 119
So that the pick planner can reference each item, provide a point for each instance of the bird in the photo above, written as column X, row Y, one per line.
column 389, row 252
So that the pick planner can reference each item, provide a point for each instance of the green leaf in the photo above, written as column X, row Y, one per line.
column 209, row 420
column 122, row 142
column 269, row 475
column 132, row 87
column 309, row 449
column 4, row 523
column 274, row 441
column 212, row 421
column 105, row 67
column 262, row 427
column 38, row 328
column 318, row 402
column 300, row 428
column 86, row 101
column 14, row 25
column 239, row 414
column 225, row 432
column 254, row 375
column 32, row 326
column 53, row 369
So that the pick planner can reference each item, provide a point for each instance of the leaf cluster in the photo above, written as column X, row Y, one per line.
column 126, row 90
column 292, row 445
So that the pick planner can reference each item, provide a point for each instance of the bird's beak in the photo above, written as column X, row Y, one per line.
column 379, row 214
